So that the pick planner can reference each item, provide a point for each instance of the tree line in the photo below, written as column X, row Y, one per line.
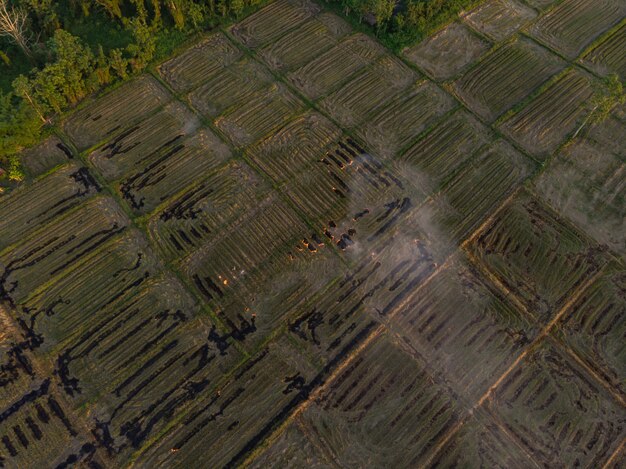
column 399, row 23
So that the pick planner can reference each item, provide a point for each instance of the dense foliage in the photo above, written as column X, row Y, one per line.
column 399, row 23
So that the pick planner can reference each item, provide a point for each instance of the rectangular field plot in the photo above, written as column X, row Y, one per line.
column 45, row 156
column 263, row 112
column 230, row 87
column 585, row 183
column 272, row 230
column 467, row 332
column 535, row 256
column 446, row 53
column 119, row 339
column 444, row 149
column 347, row 311
column 171, row 170
column 498, row 19
column 30, row 207
column 573, row 24
column 609, row 56
column 481, row 443
column 306, row 42
column 561, row 416
column 335, row 66
column 138, row 145
column 259, row 307
column 547, row 120
column 506, row 76
column 353, row 207
column 369, row 90
column 333, row 180
column 273, row 21
column 351, row 196
column 222, row 427
column 383, row 410
column 65, row 242
column 107, row 116
column 477, row 189
column 206, row 58
column 36, row 431
column 402, row 118
column 198, row 215
column 63, row 310
column 292, row 448
column 141, row 402
column 595, row 325
column 295, row 147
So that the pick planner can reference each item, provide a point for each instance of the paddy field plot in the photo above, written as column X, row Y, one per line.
column 327, row 71
column 448, row 52
column 65, row 242
column 469, row 331
column 271, row 22
column 288, row 246
column 197, row 215
column 384, row 407
column 498, row 19
column 542, row 125
column 480, row 441
column 173, row 169
column 228, row 87
column 585, row 184
column 220, row 429
column 50, row 197
column 45, row 156
column 191, row 67
column 608, row 56
column 401, row 119
column 304, row 43
column 115, row 112
column 556, row 412
column 137, row 146
column 572, row 25
column 594, row 325
column 367, row 91
column 540, row 259
column 505, row 76
column 477, row 189
column 447, row 146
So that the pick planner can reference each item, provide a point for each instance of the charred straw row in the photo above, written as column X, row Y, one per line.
column 542, row 268
column 51, row 197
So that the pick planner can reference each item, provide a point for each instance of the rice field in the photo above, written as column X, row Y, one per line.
column 287, row 246
column 505, row 76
